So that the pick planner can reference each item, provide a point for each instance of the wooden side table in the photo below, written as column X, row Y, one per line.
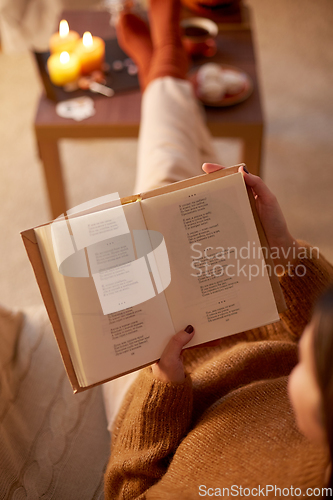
column 119, row 116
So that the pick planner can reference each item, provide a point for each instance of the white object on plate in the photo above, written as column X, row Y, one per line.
column 209, row 71
column 211, row 82
column 212, row 90
column 234, row 82
column 78, row 109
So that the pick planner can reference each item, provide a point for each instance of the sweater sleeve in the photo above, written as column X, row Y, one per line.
column 154, row 418
column 302, row 286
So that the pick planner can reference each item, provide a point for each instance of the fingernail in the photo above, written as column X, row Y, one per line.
column 189, row 329
column 245, row 169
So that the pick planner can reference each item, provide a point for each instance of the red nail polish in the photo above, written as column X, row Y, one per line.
column 189, row 329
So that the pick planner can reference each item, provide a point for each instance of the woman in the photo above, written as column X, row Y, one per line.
column 228, row 427
column 311, row 381
column 211, row 421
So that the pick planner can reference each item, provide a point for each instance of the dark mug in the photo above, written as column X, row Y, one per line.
column 198, row 36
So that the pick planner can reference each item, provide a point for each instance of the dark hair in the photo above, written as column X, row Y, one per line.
column 323, row 356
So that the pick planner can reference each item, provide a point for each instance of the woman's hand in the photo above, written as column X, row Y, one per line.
column 170, row 367
column 282, row 244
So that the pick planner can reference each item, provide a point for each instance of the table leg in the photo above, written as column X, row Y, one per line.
column 49, row 154
column 252, row 145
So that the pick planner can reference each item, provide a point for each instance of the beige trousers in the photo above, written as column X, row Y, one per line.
column 174, row 142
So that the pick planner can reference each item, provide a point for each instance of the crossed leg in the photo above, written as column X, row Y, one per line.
column 174, row 140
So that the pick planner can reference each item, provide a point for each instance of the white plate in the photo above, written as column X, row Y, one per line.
column 228, row 99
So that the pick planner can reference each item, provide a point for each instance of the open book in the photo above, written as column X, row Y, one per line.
column 120, row 277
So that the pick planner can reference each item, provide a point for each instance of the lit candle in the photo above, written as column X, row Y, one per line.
column 90, row 51
column 63, row 68
column 65, row 40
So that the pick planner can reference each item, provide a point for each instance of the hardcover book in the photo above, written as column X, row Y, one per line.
column 120, row 276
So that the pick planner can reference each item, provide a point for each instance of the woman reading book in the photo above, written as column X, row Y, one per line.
column 217, row 420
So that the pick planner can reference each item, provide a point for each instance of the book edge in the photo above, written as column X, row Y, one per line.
column 35, row 258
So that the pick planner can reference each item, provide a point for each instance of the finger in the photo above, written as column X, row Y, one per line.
column 257, row 184
column 177, row 343
column 208, row 168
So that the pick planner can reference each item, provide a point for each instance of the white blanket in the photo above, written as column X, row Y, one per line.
column 53, row 444
column 28, row 24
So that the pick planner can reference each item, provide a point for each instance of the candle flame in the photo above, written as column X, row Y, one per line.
column 87, row 39
column 63, row 28
column 64, row 57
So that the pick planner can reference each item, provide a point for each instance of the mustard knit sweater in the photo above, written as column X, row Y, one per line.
column 228, row 430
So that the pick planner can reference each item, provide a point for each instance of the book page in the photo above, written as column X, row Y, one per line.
column 114, row 313
column 58, row 288
column 219, row 282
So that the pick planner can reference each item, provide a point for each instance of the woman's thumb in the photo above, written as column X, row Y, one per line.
column 179, row 341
